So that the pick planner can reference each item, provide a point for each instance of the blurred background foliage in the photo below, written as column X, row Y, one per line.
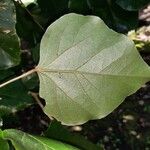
column 22, row 24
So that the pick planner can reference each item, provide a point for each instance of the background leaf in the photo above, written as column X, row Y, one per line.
column 4, row 145
column 5, row 74
column 27, row 27
column 53, row 8
column 132, row 4
column 114, row 16
column 58, row 132
column 14, row 97
column 82, row 65
column 24, row 141
column 9, row 44
column 124, row 20
column 79, row 6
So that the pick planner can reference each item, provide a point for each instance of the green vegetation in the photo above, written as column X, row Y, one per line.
column 72, row 62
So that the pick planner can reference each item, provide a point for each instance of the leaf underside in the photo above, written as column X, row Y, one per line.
column 86, row 70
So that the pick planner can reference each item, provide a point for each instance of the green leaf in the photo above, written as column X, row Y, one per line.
column 86, row 69
column 78, row 6
column 58, row 132
column 101, row 8
column 124, row 20
column 53, row 8
column 4, row 145
column 27, row 27
column 9, row 47
column 114, row 16
column 132, row 4
column 24, row 141
column 35, row 53
column 5, row 74
column 31, row 82
column 14, row 97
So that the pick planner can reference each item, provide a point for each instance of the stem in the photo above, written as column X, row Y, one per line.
column 17, row 78
column 36, row 98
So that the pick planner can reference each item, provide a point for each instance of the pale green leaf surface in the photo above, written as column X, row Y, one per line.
column 24, row 141
column 86, row 70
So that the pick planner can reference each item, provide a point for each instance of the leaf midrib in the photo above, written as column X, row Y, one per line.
column 42, row 70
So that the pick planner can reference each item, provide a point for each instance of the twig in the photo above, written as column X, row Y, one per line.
column 36, row 98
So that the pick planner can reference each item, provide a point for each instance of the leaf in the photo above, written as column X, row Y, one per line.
column 86, row 70
column 102, row 9
column 24, row 141
column 9, row 47
column 4, row 145
column 35, row 53
column 114, row 16
column 27, row 27
column 31, row 82
column 78, row 6
column 58, row 132
column 14, row 97
column 124, row 20
column 132, row 4
column 53, row 8
column 28, row 2
column 5, row 74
